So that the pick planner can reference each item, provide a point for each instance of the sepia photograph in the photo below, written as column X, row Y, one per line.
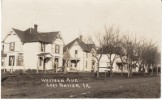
column 81, row 49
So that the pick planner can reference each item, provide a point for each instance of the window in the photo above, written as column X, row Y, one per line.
column 2, row 61
column 11, row 60
column 12, row 46
column 42, row 47
column 76, row 53
column 19, row 60
column 57, row 49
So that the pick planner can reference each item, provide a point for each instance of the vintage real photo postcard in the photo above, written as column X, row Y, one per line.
column 81, row 49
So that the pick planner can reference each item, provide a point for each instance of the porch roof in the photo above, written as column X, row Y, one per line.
column 45, row 54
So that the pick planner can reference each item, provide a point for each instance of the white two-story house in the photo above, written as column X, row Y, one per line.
column 80, row 56
column 31, row 49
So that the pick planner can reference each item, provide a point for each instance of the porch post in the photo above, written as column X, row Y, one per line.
column 4, row 66
column 12, row 65
column 53, row 61
column 56, row 63
column 65, row 66
column 23, row 67
column 76, row 62
column 37, row 65
column 45, row 64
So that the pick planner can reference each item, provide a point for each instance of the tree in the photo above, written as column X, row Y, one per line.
column 142, row 52
column 111, row 45
column 128, row 50
column 152, row 56
column 148, row 56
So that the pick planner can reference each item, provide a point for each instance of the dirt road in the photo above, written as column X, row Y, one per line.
column 88, row 88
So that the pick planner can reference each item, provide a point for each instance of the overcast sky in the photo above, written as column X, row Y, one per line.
column 75, row 17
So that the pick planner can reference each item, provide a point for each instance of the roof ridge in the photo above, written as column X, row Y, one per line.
column 69, row 44
column 49, row 32
column 72, row 41
column 17, row 29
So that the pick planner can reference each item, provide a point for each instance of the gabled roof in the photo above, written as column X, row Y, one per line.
column 31, row 35
column 69, row 45
column 84, row 46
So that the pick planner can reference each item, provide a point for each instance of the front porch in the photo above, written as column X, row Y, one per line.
column 71, row 64
column 47, row 61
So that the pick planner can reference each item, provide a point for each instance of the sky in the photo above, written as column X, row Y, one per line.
column 87, row 17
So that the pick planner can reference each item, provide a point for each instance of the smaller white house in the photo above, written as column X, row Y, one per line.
column 79, row 56
column 117, row 65
column 31, row 49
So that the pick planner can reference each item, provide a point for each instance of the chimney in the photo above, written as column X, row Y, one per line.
column 35, row 27
column 81, row 38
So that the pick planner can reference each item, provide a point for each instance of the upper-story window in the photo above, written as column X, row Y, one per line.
column 76, row 53
column 57, row 49
column 42, row 47
column 12, row 46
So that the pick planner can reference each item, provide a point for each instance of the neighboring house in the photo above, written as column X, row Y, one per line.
column 31, row 49
column 105, row 65
column 79, row 56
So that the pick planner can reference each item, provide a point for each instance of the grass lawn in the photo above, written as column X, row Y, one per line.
column 31, row 86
